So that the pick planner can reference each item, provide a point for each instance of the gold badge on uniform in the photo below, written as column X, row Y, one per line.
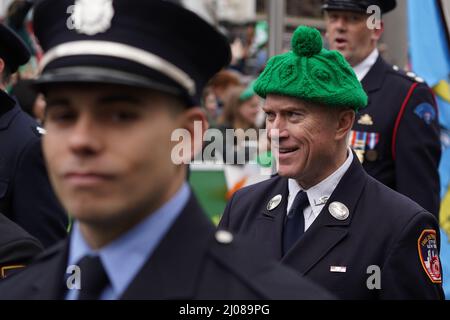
column 8, row 270
column 365, row 120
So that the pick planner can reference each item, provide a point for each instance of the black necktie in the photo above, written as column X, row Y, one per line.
column 93, row 278
column 294, row 225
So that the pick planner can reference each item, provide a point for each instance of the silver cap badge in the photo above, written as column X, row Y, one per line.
column 92, row 16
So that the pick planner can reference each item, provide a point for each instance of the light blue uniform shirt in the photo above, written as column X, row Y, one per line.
column 125, row 256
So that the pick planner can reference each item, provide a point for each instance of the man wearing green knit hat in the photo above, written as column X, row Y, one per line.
column 322, row 214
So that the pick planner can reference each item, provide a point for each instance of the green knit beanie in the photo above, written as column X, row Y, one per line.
column 312, row 73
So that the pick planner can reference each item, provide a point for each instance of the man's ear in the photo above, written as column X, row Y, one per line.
column 378, row 32
column 194, row 121
column 2, row 65
column 346, row 118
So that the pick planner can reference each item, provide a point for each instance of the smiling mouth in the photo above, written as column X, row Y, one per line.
column 340, row 42
column 287, row 150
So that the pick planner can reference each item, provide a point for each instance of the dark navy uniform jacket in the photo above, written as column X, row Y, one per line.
column 26, row 196
column 17, row 247
column 189, row 263
column 397, row 134
column 383, row 229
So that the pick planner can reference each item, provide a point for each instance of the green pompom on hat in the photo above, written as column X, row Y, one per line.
column 311, row 73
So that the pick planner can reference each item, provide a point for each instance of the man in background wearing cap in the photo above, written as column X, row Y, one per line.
column 397, row 136
column 26, row 196
column 323, row 215
column 117, row 86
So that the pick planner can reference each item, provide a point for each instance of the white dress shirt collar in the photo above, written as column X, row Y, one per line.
column 320, row 193
column 363, row 68
column 125, row 256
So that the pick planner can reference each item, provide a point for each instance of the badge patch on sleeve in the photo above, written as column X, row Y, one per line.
column 428, row 253
column 426, row 112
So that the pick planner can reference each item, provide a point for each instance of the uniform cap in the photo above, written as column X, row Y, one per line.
column 358, row 5
column 12, row 49
column 153, row 44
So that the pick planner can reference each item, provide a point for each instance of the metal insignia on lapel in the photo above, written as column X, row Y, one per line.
column 341, row 269
column 365, row 120
column 320, row 201
column 338, row 210
column 41, row 131
column 274, row 202
column 224, row 237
